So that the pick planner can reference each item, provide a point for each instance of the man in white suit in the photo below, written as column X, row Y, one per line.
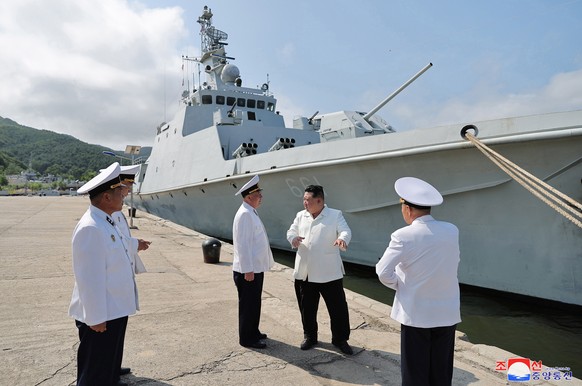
column 105, row 292
column 318, row 233
column 252, row 257
column 127, row 176
column 421, row 264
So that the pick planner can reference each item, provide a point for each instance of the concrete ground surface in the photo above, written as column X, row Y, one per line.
column 186, row 331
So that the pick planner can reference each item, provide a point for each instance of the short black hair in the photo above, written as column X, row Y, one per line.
column 315, row 190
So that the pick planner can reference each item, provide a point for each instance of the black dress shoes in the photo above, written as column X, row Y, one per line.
column 308, row 343
column 124, row 371
column 262, row 336
column 344, row 347
column 121, row 383
column 256, row 344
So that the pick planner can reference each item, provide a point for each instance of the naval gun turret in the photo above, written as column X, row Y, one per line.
column 353, row 124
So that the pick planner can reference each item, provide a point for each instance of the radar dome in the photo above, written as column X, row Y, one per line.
column 229, row 73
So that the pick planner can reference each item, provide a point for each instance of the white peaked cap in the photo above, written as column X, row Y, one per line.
column 417, row 192
column 250, row 187
column 129, row 171
column 132, row 169
column 103, row 181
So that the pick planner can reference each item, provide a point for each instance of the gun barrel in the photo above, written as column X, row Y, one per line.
column 389, row 98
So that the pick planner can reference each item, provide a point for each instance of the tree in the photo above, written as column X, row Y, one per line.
column 88, row 175
column 13, row 169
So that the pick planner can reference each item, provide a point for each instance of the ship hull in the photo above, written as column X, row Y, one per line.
column 510, row 240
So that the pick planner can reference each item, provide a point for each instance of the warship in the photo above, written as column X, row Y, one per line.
column 225, row 133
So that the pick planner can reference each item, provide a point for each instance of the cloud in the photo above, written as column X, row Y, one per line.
column 94, row 70
column 484, row 102
column 108, row 72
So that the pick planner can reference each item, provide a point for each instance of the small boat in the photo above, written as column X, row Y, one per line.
column 225, row 133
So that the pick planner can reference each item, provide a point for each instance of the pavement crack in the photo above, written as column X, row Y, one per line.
column 53, row 374
column 241, row 361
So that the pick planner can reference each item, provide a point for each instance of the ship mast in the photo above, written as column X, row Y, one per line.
column 211, row 38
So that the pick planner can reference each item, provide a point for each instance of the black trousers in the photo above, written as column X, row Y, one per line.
column 100, row 353
column 333, row 294
column 249, row 307
column 427, row 355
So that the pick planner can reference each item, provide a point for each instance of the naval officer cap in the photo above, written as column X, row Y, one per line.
column 128, row 172
column 250, row 187
column 105, row 180
column 417, row 192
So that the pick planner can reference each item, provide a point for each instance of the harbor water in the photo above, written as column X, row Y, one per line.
column 531, row 329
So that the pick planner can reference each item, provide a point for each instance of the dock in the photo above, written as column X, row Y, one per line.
column 186, row 332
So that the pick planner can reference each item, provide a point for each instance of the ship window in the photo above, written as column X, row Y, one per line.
column 271, row 106
column 206, row 99
column 220, row 99
column 251, row 103
column 240, row 102
column 230, row 101
column 261, row 104
column 251, row 115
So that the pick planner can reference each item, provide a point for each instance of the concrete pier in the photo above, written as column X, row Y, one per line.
column 186, row 331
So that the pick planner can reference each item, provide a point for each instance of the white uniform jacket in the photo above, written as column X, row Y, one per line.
column 421, row 264
column 105, row 286
column 132, row 242
column 317, row 259
column 252, row 252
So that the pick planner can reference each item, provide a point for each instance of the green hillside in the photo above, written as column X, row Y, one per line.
column 9, row 164
column 47, row 152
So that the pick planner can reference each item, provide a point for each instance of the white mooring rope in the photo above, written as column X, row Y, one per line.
column 561, row 202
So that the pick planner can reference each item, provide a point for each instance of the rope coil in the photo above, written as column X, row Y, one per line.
column 561, row 203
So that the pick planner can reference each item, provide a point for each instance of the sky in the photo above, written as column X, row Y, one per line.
column 108, row 72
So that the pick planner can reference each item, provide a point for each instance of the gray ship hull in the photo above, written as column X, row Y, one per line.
column 510, row 240
column 225, row 133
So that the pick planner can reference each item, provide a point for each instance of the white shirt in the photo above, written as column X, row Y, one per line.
column 133, row 243
column 252, row 252
column 421, row 264
column 105, row 286
column 317, row 259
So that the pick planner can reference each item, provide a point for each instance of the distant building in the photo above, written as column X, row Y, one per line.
column 49, row 178
column 29, row 175
column 17, row 179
